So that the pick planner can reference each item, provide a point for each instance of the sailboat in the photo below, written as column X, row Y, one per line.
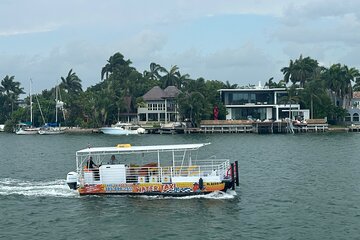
column 26, row 128
column 53, row 128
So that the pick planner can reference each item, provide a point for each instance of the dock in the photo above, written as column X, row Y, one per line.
column 226, row 126
column 260, row 127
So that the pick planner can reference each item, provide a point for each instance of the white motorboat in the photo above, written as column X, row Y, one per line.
column 123, row 129
column 170, row 170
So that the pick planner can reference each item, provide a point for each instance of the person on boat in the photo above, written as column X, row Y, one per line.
column 93, row 167
column 90, row 164
column 113, row 160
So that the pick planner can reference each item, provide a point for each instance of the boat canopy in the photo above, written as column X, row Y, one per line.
column 127, row 148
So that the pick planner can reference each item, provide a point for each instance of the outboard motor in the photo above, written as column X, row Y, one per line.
column 71, row 180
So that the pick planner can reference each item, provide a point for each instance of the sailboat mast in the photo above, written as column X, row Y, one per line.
column 56, row 102
column 31, row 109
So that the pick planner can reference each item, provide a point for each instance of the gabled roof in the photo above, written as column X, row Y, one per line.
column 156, row 93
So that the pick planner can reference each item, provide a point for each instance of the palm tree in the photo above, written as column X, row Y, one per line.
column 339, row 80
column 71, row 83
column 191, row 105
column 314, row 89
column 11, row 91
column 153, row 74
column 290, row 98
column 113, row 64
column 300, row 71
column 230, row 86
column 171, row 77
column 288, row 71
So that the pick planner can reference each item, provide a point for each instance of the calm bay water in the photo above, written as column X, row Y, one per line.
column 304, row 186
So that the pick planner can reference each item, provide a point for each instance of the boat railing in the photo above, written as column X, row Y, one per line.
column 111, row 174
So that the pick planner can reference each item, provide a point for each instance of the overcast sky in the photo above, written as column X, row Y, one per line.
column 243, row 41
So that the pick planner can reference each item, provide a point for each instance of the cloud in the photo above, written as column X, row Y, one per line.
column 34, row 29
column 83, row 34
column 243, row 65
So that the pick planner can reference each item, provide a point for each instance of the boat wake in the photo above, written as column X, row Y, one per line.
column 56, row 188
column 230, row 194
column 214, row 195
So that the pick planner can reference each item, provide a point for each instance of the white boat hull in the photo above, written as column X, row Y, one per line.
column 118, row 131
column 50, row 131
column 31, row 131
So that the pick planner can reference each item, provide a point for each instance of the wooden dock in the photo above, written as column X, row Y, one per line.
column 260, row 127
column 226, row 126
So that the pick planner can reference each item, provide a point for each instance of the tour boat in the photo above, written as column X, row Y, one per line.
column 122, row 129
column 169, row 170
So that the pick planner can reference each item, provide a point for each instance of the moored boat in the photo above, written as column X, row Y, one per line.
column 123, row 129
column 170, row 170
column 26, row 129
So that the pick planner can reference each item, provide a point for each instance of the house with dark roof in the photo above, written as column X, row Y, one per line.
column 160, row 105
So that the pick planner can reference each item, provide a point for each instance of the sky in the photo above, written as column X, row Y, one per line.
column 243, row 41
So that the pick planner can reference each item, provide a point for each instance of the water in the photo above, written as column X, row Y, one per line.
column 303, row 186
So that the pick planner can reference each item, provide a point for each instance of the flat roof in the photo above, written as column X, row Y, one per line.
column 130, row 149
column 251, row 89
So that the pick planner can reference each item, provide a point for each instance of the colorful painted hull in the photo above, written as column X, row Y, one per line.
column 170, row 189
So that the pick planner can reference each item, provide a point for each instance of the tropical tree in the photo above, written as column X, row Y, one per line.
column 300, row 71
column 339, row 81
column 71, row 83
column 272, row 84
column 115, row 63
column 171, row 77
column 191, row 106
column 228, row 85
column 153, row 74
column 290, row 98
column 11, row 91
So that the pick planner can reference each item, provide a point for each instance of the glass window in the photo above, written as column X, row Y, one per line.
column 348, row 118
column 153, row 117
column 356, row 117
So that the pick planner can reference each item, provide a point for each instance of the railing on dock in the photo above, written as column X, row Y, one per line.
column 245, row 126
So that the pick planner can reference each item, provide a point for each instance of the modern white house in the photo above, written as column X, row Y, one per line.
column 260, row 104
column 160, row 105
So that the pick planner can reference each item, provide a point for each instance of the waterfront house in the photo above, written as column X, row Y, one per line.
column 260, row 103
column 353, row 114
column 159, row 105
